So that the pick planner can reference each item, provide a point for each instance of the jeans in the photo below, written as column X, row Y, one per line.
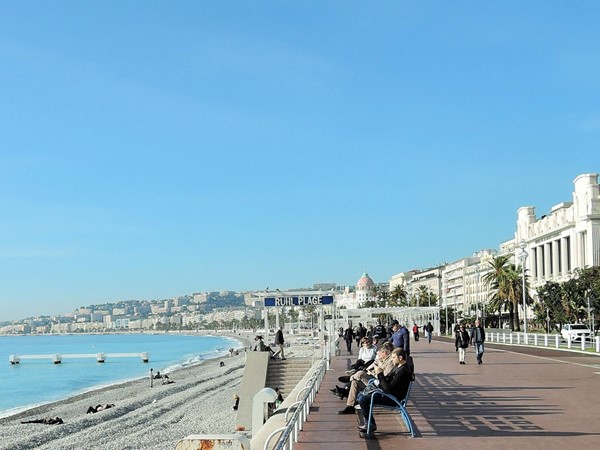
column 479, row 351
column 365, row 405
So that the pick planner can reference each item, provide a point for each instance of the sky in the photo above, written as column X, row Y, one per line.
column 154, row 149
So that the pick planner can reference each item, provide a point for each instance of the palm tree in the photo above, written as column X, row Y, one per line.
column 423, row 295
column 380, row 296
column 494, row 280
column 505, row 280
column 398, row 296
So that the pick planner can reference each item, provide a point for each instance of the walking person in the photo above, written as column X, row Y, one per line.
column 279, row 343
column 461, row 343
column 151, row 377
column 429, row 331
column 349, row 337
column 477, row 339
column 416, row 331
column 361, row 332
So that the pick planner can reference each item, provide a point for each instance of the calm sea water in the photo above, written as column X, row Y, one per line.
column 34, row 382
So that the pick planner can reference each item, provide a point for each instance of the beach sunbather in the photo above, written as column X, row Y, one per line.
column 45, row 420
column 99, row 408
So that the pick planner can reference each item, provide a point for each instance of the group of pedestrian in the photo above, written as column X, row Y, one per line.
column 463, row 338
column 380, row 333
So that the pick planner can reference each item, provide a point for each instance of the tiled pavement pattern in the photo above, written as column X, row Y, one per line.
column 519, row 398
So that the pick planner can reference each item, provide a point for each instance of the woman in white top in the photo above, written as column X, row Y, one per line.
column 366, row 355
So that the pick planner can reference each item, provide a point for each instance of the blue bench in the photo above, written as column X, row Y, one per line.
column 400, row 407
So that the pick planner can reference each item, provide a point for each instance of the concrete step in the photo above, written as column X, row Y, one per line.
column 287, row 374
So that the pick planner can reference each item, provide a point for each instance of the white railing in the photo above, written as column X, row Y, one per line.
column 304, row 399
column 543, row 340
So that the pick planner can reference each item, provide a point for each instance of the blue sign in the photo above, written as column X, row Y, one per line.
column 301, row 300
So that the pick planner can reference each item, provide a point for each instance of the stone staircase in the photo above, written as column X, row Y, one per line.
column 287, row 374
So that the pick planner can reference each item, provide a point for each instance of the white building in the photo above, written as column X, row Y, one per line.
column 355, row 299
column 566, row 238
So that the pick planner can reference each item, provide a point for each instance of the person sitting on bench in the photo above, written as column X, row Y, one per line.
column 396, row 383
column 359, row 380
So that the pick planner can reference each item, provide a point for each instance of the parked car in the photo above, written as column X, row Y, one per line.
column 575, row 331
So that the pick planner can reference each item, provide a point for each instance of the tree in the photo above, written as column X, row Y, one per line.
column 568, row 301
column 398, row 296
column 423, row 295
column 505, row 281
column 380, row 297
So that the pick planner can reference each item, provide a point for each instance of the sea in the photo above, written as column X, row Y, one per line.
column 34, row 382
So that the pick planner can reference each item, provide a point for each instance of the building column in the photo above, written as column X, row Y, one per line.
column 564, row 254
column 555, row 259
column 540, row 262
column 581, row 249
column 595, row 245
column 547, row 260
column 533, row 263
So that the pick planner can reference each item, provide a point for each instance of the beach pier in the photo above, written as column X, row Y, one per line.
column 57, row 358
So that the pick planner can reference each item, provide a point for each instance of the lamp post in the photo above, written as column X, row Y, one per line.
column 477, row 293
column 446, row 306
column 523, row 257
column 590, row 313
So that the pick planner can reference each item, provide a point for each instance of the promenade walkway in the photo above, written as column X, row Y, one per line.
column 521, row 397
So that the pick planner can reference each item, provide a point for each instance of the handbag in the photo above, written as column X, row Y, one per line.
column 371, row 387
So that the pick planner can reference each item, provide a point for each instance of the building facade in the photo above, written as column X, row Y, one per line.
column 566, row 238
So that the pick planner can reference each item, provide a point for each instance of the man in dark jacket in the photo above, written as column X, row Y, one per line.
column 477, row 339
column 279, row 343
column 395, row 383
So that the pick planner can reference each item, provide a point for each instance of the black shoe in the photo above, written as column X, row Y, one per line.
column 344, row 379
column 341, row 393
column 363, row 429
column 480, row 362
column 347, row 410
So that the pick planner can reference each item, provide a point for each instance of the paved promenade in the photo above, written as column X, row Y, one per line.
column 521, row 397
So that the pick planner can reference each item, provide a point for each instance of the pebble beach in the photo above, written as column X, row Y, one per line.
column 200, row 401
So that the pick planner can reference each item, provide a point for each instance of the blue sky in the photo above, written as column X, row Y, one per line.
column 154, row 149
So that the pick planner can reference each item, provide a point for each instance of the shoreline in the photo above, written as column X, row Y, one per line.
column 236, row 341
column 179, row 407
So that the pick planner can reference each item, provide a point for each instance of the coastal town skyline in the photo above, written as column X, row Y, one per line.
column 210, row 147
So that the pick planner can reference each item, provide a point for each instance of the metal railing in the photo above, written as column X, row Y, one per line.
column 543, row 340
column 304, row 399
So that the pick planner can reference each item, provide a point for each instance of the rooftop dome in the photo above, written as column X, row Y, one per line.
column 365, row 282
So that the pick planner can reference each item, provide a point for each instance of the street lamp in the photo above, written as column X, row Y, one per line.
column 477, row 294
column 446, row 306
column 523, row 257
